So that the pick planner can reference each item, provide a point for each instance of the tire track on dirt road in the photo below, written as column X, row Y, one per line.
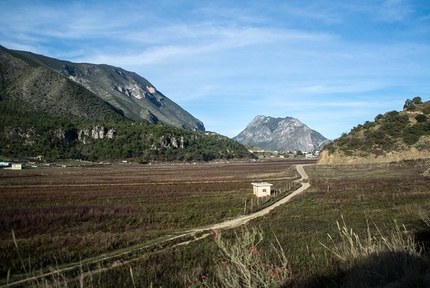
column 120, row 258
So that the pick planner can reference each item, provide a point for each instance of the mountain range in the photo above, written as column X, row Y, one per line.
column 63, row 109
column 35, row 83
column 30, row 77
column 281, row 134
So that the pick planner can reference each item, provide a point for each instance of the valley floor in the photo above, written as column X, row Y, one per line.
column 154, row 210
column 103, row 206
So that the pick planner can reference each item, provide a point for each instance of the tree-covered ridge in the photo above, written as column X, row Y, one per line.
column 392, row 132
column 145, row 143
column 29, row 135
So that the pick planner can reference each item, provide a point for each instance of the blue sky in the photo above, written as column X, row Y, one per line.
column 331, row 64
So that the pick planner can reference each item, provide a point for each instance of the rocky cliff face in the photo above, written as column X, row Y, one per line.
column 97, row 132
column 280, row 134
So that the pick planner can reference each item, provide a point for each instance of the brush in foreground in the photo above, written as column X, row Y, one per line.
column 393, row 260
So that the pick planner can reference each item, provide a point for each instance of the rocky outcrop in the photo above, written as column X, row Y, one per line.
column 69, row 135
column 280, row 134
column 97, row 132
column 171, row 142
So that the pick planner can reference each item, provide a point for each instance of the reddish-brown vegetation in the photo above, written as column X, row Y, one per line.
column 61, row 215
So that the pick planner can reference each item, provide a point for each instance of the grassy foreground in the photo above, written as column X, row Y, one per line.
column 351, row 221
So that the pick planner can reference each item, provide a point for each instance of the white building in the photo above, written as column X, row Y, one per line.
column 18, row 166
column 262, row 189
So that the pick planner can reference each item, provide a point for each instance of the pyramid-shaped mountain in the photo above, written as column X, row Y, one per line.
column 281, row 134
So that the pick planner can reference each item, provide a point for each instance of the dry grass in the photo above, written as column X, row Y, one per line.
column 243, row 263
column 63, row 215
column 380, row 254
column 384, row 260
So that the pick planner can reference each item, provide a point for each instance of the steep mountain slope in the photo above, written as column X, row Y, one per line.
column 393, row 136
column 26, row 86
column 130, row 94
column 45, row 115
column 280, row 134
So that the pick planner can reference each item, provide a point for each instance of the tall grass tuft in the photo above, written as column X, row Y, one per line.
column 392, row 260
column 245, row 264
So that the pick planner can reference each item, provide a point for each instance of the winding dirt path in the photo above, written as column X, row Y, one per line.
column 123, row 257
column 244, row 219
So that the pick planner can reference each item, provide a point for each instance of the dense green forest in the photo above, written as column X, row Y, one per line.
column 26, row 135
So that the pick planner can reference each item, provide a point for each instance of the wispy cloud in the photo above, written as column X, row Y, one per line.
column 395, row 10
column 182, row 41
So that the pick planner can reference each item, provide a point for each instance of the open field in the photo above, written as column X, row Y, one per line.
column 384, row 195
column 381, row 194
column 63, row 215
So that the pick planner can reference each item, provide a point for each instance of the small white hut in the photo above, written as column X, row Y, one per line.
column 262, row 189
column 18, row 166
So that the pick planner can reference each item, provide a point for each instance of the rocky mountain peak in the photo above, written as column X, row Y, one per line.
column 280, row 134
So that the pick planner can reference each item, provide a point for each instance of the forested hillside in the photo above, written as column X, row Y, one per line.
column 24, row 135
column 392, row 136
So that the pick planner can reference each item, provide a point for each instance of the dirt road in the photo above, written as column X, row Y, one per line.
column 244, row 219
column 129, row 255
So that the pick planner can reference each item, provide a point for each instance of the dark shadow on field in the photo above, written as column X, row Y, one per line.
column 387, row 269
column 422, row 237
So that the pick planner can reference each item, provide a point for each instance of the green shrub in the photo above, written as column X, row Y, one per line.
column 378, row 117
column 421, row 118
column 410, row 138
column 409, row 105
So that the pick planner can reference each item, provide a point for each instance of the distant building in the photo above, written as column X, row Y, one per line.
column 262, row 189
column 18, row 166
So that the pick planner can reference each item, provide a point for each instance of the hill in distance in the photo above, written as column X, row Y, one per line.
column 393, row 136
column 280, row 134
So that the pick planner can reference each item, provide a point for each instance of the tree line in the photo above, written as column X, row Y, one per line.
column 36, row 134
